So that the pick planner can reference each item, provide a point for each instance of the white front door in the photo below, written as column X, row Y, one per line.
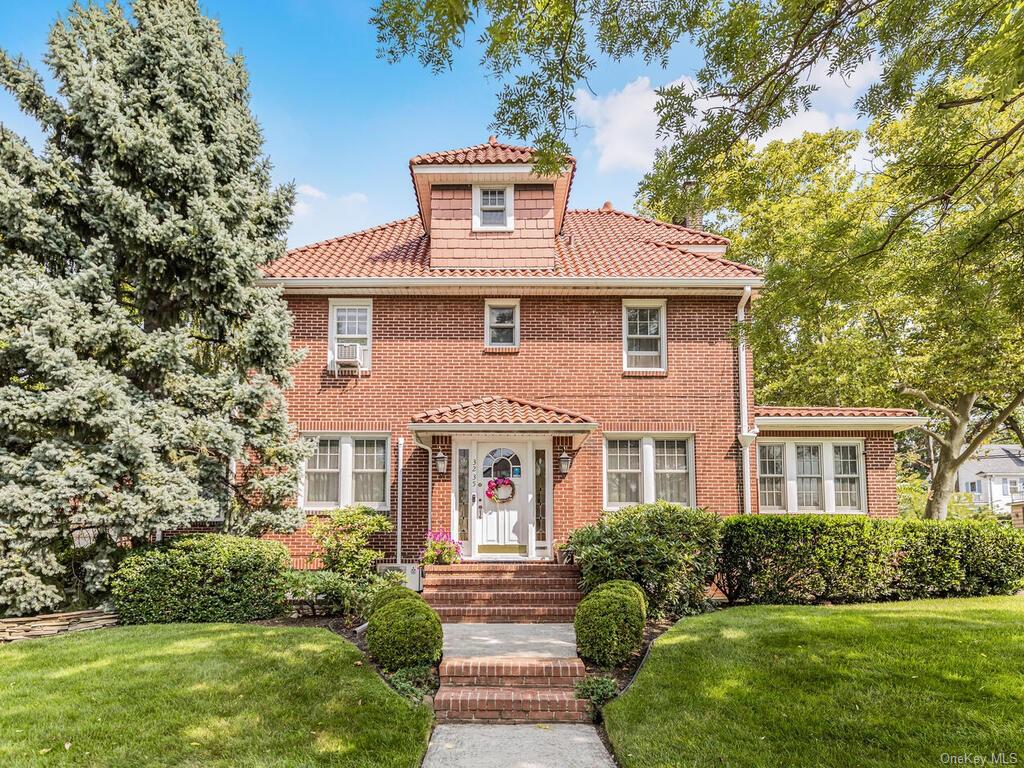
column 503, row 500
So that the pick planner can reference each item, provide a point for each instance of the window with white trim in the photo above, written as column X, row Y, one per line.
column 802, row 476
column 624, row 477
column 642, row 469
column 809, row 478
column 351, row 332
column 672, row 470
column 846, row 477
column 771, row 476
column 643, row 335
column 502, row 322
column 344, row 470
column 493, row 208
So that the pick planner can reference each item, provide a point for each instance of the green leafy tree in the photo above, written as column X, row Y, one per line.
column 141, row 364
column 922, row 322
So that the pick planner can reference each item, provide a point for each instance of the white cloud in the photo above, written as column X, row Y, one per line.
column 308, row 190
column 320, row 215
column 625, row 124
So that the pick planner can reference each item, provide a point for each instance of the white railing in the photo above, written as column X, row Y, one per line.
column 347, row 355
column 1017, row 498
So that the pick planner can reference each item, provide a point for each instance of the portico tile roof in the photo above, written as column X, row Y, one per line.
column 809, row 411
column 479, row 154
column 602, row 243
column 499, row 410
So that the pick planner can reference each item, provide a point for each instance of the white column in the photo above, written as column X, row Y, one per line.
column 647, row 470
column 828, row 478
column 529, row 468
column 345, row 481
column 790, row 449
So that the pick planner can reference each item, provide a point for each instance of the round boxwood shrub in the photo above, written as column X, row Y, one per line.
column 624, row 585
column 609, row 626
column 391, row 594
column 404, row 633
column 209, row 577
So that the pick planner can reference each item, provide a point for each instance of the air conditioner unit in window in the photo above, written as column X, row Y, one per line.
column 413, row 579
column 347, row 356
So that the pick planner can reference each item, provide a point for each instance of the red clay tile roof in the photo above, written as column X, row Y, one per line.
column 593, row 244
column 499, row 410
column 479, row 154
column 810, row 411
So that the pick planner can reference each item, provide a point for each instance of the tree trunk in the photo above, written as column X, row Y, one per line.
column 951, row 448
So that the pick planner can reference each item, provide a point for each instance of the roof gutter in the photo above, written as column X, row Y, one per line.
column 737, row 283
column 878, row 423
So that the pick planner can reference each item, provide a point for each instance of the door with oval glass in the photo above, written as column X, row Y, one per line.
column 502, row 525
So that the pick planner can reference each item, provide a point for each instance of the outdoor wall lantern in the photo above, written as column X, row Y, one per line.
column 564, row 462
column 441, row 462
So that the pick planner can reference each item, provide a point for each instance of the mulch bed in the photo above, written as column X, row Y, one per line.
column 624, row 674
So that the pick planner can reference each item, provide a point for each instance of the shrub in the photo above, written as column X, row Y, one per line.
column 415, row 682
column 598, row 690
column 343, row 541
column 847, row 558
column 325, row 593
column 441, row 549
column 670, row 551
column 609, row 627
column 404, row 633
column 210, row 577
column 629, row 587
column 389, row 595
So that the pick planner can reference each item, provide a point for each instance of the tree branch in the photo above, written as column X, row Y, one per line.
column 949, row 413
column 989, row 428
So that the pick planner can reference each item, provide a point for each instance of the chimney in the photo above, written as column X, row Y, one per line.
column 693, row 218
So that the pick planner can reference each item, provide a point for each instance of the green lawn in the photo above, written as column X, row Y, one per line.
column 202, row 695
column 892, row 684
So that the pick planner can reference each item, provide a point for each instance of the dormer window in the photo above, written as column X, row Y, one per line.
column 492, row 209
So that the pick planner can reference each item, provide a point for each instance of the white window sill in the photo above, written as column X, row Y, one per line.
column 493, row 229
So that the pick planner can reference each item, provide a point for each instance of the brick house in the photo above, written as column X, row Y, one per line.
column 584, row 358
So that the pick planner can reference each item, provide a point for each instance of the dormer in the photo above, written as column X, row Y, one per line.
column 483, row 207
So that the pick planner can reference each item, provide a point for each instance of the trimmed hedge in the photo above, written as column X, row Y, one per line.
column 389, row 595
column 852, row 558
column 208, row 577
column 623, row 585
column 610, row 626
column 404, row 633
column 670, row 551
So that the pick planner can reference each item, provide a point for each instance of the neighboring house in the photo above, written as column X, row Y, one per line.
column 994, row 476
column 503, row 367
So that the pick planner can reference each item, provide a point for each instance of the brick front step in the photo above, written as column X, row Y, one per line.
column 440, row 596
column 497, row 672
column 509, row 705
column 505, row 614
column 525, row 569
column 510, row 582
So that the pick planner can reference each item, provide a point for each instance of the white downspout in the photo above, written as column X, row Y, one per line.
column 746, row 435
column 398, row 523
column 430, row 478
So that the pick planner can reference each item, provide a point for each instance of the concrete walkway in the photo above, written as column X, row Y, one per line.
column 517, row 746
column 535, row 641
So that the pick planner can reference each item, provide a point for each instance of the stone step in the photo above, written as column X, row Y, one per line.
column 505, row 614
column 498, row 672
column 534, row 569
column 438, row 596
column 475, row 583
column 509, row 705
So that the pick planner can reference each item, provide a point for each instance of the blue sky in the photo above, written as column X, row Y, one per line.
column 342, row 124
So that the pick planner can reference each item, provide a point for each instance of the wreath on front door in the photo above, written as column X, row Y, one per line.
column 500, row 490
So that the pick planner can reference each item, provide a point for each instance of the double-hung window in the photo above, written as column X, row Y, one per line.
column 493, row 208
column 803, row 476
column 344, row 470
column 351, row 332
column 648, row 468
column 501, row 318
column 643, row 335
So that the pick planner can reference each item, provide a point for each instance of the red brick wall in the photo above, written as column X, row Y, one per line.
column 454, row 244
column 879, row 465
column 428, row 352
